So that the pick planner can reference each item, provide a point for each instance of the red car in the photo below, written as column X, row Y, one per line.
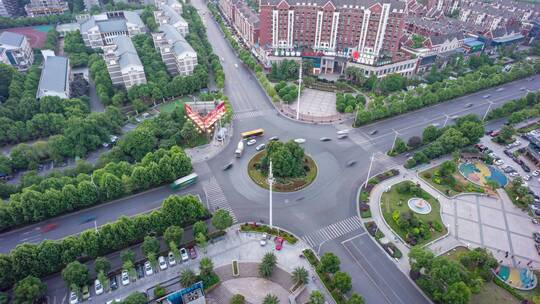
column 192, row 253
column 279, row 242
column 49, row 227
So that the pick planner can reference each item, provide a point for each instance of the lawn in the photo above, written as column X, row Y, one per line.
column 393, row 200
column 455, row 253
column 170, row 106
column 461, row 182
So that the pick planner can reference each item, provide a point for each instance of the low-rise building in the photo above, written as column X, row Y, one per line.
column 123, row 63
column 434, row 45
column 63, row 29
column 100, row 30
column 38, row 8
column 167, row 15
column 54, row 80
column 406, row 68
column 177, row 54
column 17, row 50
column 174, row 4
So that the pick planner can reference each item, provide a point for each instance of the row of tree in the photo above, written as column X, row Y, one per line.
column 50, row 256
column 287, row 92
column 423, row 96
column 111, row 182
column 6, row 22
column 348, row 103
column 20, row 91
column 78, row 52
column 50, row 41
column 518, row 110
column 467, row 131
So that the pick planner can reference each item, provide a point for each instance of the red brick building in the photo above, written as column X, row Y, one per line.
column 244, row 20
column 367, row 30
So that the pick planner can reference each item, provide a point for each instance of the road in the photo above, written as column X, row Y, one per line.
column 323, row 214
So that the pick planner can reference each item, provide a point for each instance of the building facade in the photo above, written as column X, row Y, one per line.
column 17, row 50
column 167, row 15
column 38, row 8
column 245, row 21
column 10, row 8
column 123, row 63
column 177, row 54
column 55, row 78
column 101, row 30
column 174, row 4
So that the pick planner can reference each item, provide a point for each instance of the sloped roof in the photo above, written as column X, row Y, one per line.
column 11, row 39
column 177, row 41
column 54, row 75
column 338, row 3
column 112, row 25
column 126, row 52
column 172, row 14
column 436, row 40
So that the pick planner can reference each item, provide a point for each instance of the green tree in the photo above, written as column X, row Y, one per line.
column 356, row 299
column 420, row 258
column 222, row 219
column 329, row 263
column 270, row 299
column 76, row 273
column 150, row 245
column 506, row 133
column 457, row 293
column 316, row 297
column 266, row 267
column 300, row 275
column 102, row 264
column 127, row 255
column 238, row 299
column 159, row 291
column 430, row 134
column 287, row 159
column 136, row 143
column 187, row 277
column 28, row 290
column 206, row 266
column 200, row 227
column 201, row 241
column 342, row 281
column 189, row 131
column 4, row 298
column 399, row 146
column 135, row 298
column 173, row 234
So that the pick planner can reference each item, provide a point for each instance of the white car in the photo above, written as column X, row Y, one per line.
column 527, row 177
column 98, row 287
column 125, row 278
column 114, row 301
column 262, row 242
column 73, row 298
column 260, row 147
column 148, row 269
column 172, row 260
column 162, row 263
column 343, row 132
column 513, row 174
column 184, row 254
column 299, row 140
column 251, row 142
column 499, row 162
column 535, row 173
column 492, row 155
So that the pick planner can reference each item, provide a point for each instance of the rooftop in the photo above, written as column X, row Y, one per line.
column 126, row 52
column 11, row 39
column 176, row 40
column 340, row 3
column 172, row 14
column 54, row 75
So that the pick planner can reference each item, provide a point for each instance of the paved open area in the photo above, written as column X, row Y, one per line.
column 317, row 103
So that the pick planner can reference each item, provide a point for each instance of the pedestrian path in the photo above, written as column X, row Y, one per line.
column 247, row 114
column 333, row 231
column 215, row 197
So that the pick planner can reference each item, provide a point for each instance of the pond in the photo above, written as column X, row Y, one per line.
column 480, row 174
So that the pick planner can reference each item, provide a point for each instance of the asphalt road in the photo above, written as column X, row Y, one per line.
column 311, row 213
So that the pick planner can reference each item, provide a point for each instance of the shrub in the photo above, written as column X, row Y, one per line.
column 159, row 291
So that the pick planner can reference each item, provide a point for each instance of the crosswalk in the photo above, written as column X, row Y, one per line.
column 333, row 231
column 247, row 114
column 216, row 198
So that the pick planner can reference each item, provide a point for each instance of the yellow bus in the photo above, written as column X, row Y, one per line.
column 253, row 133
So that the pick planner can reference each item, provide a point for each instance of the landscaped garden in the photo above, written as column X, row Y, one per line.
column 447, row 179
column 414, row 227
column 291, row 167
column 363, row 198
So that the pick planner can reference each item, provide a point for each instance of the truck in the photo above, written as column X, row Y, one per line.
column 239, row 149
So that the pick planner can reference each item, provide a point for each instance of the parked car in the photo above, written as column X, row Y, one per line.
column 172, row 259
column 85, row 292
column 526, row 168
column 98, row 287
column 499, row 162
column 536, row 237
column 251, row 142
column 299, row 140
column 262, row 241
column 260, row 147
column 125, row 277
column 184, row 254
column 73, row 298
column 148, row 271
column 279, row 242
column 140, row 271
column 527, row 178
column 162, row 263
column 192, row 253
column 113, row 282
column 535, row 173
column 537, row 246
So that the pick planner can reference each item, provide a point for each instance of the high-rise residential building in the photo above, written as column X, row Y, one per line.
column 38, row 8
column 101, row 30
column 17, row 50
column 177, row 54
column 123, row 63
column 167, row 15
column 10, row 8
column 244, row 20
column 54, row 80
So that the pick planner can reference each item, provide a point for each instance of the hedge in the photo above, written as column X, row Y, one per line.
column 274, row 231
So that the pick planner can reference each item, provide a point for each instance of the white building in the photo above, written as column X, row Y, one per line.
column 38, row 8
column 175, row 5
column 16, row 50
column 100, row 30
column 54, row 80
column 167, row 15
column 178, row 56
column 123, row 63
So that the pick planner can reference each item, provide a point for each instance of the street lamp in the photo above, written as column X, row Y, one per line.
column 446, row 120
column 299, row 87
column 270, row 184
column 395, row 138
column 487, row 111
column 369, row 170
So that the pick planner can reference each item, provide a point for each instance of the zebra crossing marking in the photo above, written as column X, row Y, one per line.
column 333, row 231
column 247, row 114
column 216, row 198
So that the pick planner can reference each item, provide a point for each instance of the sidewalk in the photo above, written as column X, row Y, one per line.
column 203, row 153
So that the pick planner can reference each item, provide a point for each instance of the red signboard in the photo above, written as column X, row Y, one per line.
column 209, row 119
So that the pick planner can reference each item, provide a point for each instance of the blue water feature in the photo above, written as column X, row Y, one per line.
column 496, row 175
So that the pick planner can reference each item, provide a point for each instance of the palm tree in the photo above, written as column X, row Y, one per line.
column 187, row 277
column 300, row 275
column 206, row 266
column 266, row 268
column 270, row 299
column 316, row 297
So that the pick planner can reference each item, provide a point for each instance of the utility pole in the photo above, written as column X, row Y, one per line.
column 369, row 170
column 446, row 120
column 299, row 87
column 487, row 111
column 271, row 183
column 395, row 138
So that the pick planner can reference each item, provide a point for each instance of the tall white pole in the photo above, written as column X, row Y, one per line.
column 299, row 87
column 487, row 111
column 446, row 120
column 270, row 183
column 369, row 170
column 395, row 138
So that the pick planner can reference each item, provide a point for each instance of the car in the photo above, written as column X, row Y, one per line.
column 140, row 271
column 172, row 259
column 85, row 292
column 184, row 254
column 162, row 263
column 535, row 221
column 325, row 139
column 487, row 96
column 88, row 218
column 537, row 246
column 535, row 173
column 351, row 163
column 251, row 142
column 525, row 168
column 117, row 300
column 342, row 136
column 527, row 177
column 125, row 277
column 513, row 174
column 262, row 241
column 522, row 88
column 98, row 287
column 113, row 282
column 260, row 147
column 279, row 242
column 536, row 237
column 373, row 132
column 492, row 155
column 499, row 162
column 148, row 271
column 73, row 298
column 49, row 227
column 192, row 253
column 468, row 105
column 341, row 132
column 236, row 65
column 273, row 138
column 299, row 140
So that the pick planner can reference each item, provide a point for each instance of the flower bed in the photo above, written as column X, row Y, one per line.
column 253, row 227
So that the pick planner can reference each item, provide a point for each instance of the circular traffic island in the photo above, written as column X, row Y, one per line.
column 292, row 169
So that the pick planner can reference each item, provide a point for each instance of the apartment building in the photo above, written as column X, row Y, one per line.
column 55, row 77
column 175, row 5
column 245, row 21
column 10, row 8
column 16, row 50
column 167, row 15
column 123, row 63
column 177, row 54
column 101, row 30
column 38, row 8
